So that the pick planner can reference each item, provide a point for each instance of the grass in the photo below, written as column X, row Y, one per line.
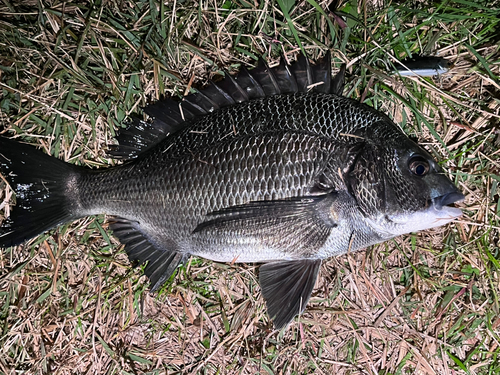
column 426, row 303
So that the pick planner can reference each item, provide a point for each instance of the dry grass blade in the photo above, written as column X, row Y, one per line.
column 71, row 73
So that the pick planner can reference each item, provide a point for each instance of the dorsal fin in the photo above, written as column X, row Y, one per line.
column 322, row 72
column 233, row 88
column 286, row 80
column 338, row 82
column 303, row 73
column 266, row 78
column 170, row 115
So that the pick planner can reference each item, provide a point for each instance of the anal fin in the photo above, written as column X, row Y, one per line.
column 161, row 263
column 286, row 287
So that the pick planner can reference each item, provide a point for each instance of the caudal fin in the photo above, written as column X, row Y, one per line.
column 42, row 185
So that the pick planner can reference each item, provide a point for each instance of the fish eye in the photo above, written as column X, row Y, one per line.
column 418, row 165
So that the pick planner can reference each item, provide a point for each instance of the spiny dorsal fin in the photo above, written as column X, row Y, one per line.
column 322, row 72
column 285, row 78
column 170, row 115
column 338, row 83
column 303, row 73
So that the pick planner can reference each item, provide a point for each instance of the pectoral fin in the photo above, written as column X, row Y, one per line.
column 286, row 287
column 294, row 225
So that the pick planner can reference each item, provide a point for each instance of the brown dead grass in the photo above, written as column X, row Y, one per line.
column 71, row 304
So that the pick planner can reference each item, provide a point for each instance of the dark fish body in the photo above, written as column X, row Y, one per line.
column 196, row 174
column 253, row 169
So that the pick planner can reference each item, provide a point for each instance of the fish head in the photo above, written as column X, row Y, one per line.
column 400, row 188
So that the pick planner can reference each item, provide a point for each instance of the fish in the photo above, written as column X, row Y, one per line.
column 425, row 66
column 270, row 165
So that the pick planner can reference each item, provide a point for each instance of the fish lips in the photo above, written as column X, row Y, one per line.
column 445, row 202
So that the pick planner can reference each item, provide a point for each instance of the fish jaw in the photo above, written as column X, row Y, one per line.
column 439, row 212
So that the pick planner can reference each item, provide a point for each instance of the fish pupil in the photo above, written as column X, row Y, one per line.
column 420, row 170
column 418, row 166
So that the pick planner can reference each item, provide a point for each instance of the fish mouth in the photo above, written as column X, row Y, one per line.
column 445, row 203
column 439, row 210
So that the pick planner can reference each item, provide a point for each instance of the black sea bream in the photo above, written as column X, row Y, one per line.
column 271, row 166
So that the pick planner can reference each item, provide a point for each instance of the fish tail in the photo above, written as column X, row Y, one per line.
column 43, row 191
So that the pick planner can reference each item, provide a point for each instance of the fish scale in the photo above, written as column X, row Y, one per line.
column 189, row 187
column 254, row 168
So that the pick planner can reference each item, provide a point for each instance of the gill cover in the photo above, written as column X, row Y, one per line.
column 366, row 180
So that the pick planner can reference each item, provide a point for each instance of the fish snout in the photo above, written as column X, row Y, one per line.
column 448, row 199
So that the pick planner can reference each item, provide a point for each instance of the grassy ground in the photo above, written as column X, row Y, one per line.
column 427, row 303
